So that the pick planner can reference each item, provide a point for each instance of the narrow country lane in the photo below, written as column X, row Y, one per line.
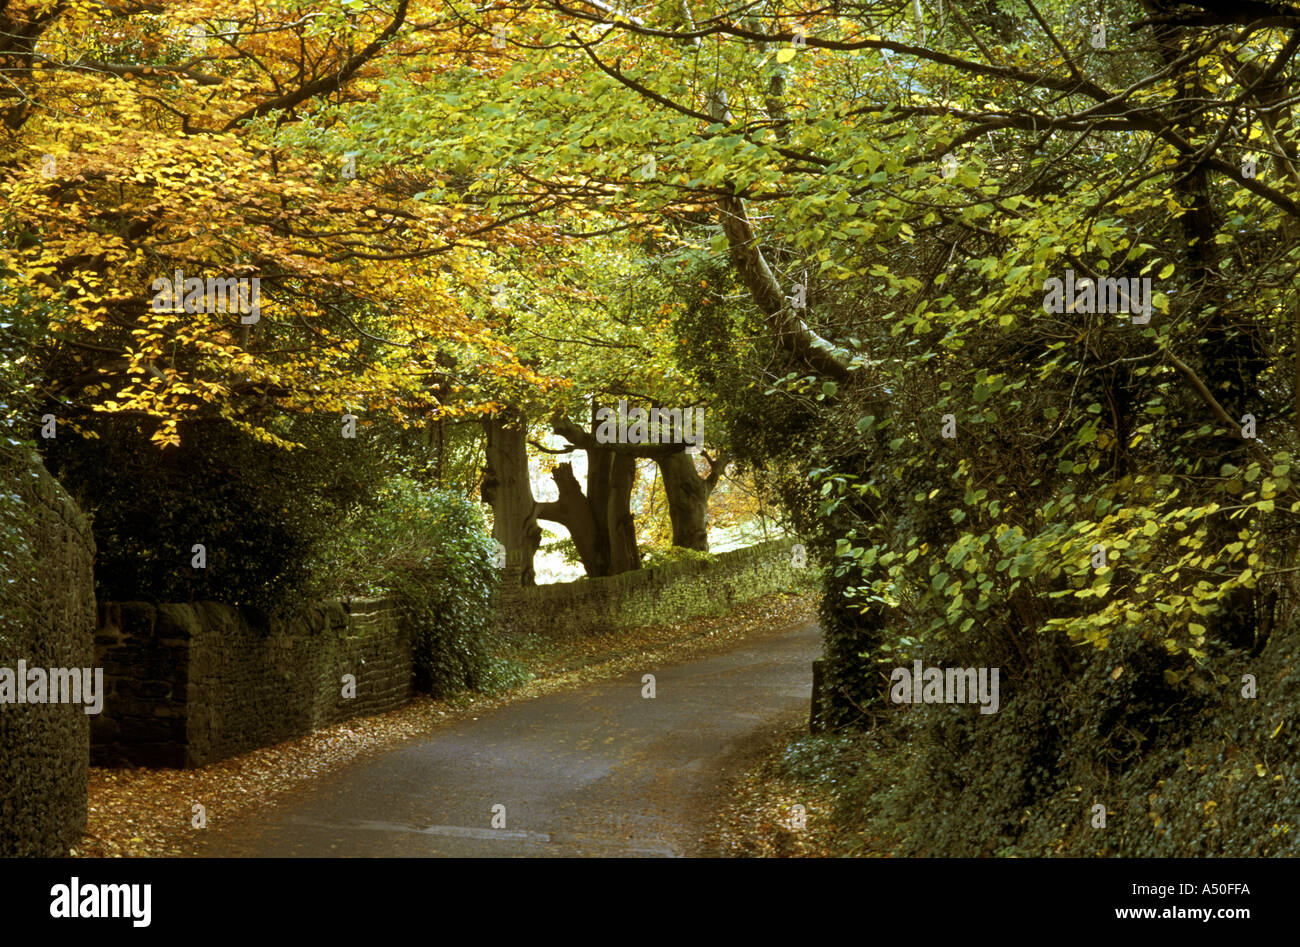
column 596, row 771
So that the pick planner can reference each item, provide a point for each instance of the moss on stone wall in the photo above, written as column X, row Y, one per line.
column 670, row 593
column 47, row 618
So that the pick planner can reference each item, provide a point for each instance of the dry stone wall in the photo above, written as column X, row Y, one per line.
column 47, row 620
column 670, row 593
column 189, row 684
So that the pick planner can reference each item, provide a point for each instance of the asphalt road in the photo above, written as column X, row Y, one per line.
column 594, row 771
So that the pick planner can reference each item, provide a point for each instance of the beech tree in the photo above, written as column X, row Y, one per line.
column 597, row 317
column 143, row 144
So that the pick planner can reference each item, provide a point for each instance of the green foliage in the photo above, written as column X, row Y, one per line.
column 820, row 760
column 18, row 567
column 655, row 556
column 265, row 515
column 567, row 549
column 1078, row 434
column 1183, row 762
column 431, row 548
column 20, row 324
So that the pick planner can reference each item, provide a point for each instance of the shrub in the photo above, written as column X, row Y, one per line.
column 1184, row 763
column 653, row 557
column 431, row 548
column 264, row 515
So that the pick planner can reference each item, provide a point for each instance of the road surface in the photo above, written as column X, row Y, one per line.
column 599, row 770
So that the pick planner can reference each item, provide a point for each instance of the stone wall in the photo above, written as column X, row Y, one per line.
column 47, row 618
column 191, row 684
column 667, row 594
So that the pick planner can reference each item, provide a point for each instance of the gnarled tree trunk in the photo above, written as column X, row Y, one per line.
column 688, row 498
column 575, row 513
column 507, row 488
column 623, row 554
column 611, row 476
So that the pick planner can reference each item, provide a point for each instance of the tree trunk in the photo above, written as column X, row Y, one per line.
column 623, row 554
column 753, row 272
column 688, row 498
column 506, row 486
column 611, row 477
column 574, row 512
column 599, row 467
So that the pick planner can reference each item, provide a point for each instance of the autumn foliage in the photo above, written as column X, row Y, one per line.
column 141, row 141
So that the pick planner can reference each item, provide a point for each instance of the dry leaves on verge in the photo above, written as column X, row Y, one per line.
column 760, row 818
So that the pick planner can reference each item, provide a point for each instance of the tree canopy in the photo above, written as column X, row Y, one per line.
column 998, row 299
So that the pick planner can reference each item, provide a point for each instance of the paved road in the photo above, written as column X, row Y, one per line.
column 597, row 770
